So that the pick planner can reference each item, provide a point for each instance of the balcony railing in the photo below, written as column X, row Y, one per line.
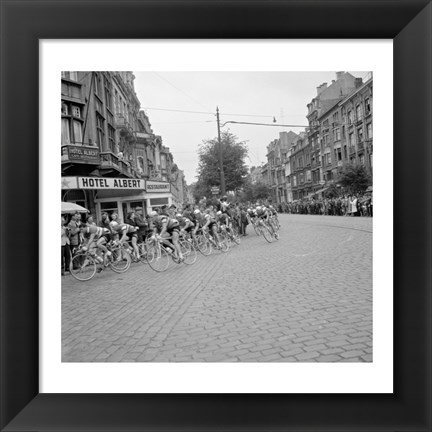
column 109, row 159
column 352, row 150
column 360, row 145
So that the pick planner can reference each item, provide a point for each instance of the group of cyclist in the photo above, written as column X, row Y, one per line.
column 167, row 223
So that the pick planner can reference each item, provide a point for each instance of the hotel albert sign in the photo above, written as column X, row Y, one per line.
column 114, row 183
column 101, row 183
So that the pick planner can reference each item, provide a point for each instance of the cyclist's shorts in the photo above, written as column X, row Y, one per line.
column 171, row 230
column 107, row 237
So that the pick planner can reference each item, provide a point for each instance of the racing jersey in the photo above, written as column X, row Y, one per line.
column 261, row 212
column 189, row 215
column 183, row 221
column 98, row 232
column 224, row 219
column 123, row 228
column 159, row 222
column 210, row 218
column 200, row 220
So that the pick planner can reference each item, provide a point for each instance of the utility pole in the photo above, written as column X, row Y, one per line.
column 222, row 174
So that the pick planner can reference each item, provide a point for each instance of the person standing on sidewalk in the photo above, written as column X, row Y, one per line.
column 74, row 232
column 244, row 220
column 65, row 248
column 141, row 223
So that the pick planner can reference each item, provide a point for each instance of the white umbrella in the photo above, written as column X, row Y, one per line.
column 67, row 207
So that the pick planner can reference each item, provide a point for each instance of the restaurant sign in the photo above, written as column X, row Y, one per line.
column 155, row 186
column 101, row 183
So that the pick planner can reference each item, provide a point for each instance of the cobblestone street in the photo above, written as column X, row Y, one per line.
column 307, row 297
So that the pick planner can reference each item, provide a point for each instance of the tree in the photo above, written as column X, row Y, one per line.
column 331, row 192
column 355, row 178
column 235, row 169
column 255, row 192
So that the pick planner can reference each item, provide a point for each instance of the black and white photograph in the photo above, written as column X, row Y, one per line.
column 223, row 266
column 217, row 217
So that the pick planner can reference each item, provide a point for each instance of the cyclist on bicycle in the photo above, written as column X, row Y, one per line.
column 274, row 214
column 95, row 238
column 211, row 225
column 223, row 219
column 264, row 214
column 186, row 225
column 127, row 232
column 200, row 221
column 168, row 229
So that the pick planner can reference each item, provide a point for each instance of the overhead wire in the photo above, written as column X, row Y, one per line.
column 180, row 90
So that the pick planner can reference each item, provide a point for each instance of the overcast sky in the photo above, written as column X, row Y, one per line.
column 240, row 96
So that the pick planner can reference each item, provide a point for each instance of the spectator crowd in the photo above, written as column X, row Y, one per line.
column 347, row 205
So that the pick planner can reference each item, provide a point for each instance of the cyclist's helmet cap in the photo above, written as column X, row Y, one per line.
column 153, row 213
column 178, row 215
column 219, row 212
column 259, row 208
column 224, row 197
column 197, row 211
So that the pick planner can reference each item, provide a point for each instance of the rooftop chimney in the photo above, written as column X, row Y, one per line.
column 339, row 74
column 358, row 82
column 321, row 88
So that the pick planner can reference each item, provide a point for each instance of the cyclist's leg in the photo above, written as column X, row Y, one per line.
column 135, row 246
column 215, row 234
column 101, row 245
column 175, row 238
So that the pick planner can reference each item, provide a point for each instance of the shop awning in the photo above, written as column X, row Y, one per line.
column 67, row 207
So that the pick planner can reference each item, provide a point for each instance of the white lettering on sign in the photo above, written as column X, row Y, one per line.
column 109, row 183
column 157, row 187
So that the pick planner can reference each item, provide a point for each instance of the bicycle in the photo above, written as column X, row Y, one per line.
column 201, row 243
column 274, row 223
column 223, row 246
column 265, row 230
column 158, row 255
column 233, row 234
column 84, row 264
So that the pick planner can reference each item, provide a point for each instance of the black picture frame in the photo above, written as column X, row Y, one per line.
column 23, row 23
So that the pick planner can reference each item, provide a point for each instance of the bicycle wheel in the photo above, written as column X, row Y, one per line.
column 142, row 248
column 235, row 236
column 224, row 237
column 157, row 258
column 83, row 267
column 189, row 252
column 267, row 234
column 203, row 245
column 257, row 229
column 120, row 260
column 274, row 224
